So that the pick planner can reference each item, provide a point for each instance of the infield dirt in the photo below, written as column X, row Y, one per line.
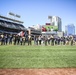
column 52, row 71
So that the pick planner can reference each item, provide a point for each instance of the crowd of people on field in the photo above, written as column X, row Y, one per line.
column 54, row 40
column 38, row 40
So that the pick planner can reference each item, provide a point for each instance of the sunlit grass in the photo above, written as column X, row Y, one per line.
column 37, row 56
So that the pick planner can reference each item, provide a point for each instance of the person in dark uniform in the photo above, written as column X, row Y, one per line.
column 36, row 40
column 15, row 39
column 71, row 40
column 21, row 40
column 58, row 40
column 6, row 39
column 45, row 40
column 52, row 40
column 10, row 39
column 49, row 40
column 64, row 41
column 18, row 39
column 40, row 40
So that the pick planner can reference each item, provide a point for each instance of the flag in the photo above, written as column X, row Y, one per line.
column 21, row 33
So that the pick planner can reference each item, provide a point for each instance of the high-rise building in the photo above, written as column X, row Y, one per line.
column 70, row 29
column 56, row 21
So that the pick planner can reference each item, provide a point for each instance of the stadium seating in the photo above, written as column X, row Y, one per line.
column 10, row 27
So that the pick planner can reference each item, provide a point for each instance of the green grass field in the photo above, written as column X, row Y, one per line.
column 37, row 56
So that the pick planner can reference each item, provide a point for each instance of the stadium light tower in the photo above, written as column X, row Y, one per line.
column 11, row 15
column 50, row 17
column 14, row 15
column 18, row 16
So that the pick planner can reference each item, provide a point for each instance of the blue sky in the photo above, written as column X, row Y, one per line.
column 37, row 11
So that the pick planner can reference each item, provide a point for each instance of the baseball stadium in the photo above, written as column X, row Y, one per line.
column 30, row 45
column 19, row 51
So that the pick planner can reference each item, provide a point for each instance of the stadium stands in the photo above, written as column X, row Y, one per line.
column 10, row 27
column 34, row 31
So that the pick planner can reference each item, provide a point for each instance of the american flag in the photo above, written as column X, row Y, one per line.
column 21, row 33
